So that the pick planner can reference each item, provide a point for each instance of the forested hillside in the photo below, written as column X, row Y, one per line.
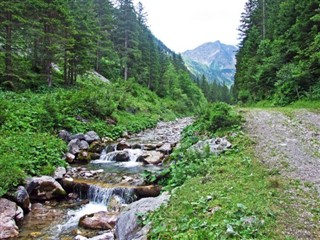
column 78, row 36
column 279, row 56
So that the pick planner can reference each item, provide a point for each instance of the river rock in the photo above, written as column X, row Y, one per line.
column 152, row 157
column 71, row 186
column 105, row 236
column 70, row 157
column 21, row 197
column 118, row 156
column 97, row 147
column 59, row 173
column 64, row 135
column 122, row 145
column 74, row 146
column 8, row 213
column 91, row 136
column 147, row 191
column 127, row 226
column 216, row 145
column 79, row 136
column 44, row 188
column 83, row 145
column 100, row 220
column 165, row 148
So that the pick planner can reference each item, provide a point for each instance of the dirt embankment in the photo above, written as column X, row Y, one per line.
column 290, row 144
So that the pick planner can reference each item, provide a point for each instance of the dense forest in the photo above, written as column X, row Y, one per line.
column 279, row 56
column 42, row 38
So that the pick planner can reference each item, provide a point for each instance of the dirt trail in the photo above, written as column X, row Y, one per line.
column 290, row 144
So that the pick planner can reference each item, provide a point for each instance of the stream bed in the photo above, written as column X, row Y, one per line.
column 112, row 181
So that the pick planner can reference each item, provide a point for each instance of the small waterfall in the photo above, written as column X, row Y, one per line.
column 103, row 195
column 126, row 155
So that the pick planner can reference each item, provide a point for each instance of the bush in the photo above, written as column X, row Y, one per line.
column 218, row 116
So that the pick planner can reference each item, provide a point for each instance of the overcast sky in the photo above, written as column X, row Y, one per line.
column 185, row 24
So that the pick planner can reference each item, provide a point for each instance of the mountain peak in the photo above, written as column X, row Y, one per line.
column 215, row 60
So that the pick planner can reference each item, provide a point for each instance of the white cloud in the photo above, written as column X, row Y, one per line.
column 186, row 24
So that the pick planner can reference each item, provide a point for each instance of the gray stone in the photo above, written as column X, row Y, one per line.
column 152, row 157
column 215, row 145
column 83, row 145
column 91, row 136
column 122, row 145
column 44, row 188
column 165, row 148
column 59, row 173
column 64, row 135
column 21, row 197
column 127, row 226
column 79, row 136
column 70, row 157
column 74, row 146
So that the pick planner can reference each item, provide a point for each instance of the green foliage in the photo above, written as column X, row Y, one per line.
column 26, row 153
column 279, row 52
column 219, row 197
column 218, row 116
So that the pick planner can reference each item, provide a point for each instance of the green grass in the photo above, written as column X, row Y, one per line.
column 233, row 197
column 30, row 121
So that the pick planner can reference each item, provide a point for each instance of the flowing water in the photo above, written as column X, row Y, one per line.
column 59, row 220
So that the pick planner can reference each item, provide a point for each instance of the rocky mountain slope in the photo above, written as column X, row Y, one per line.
column 215, row 60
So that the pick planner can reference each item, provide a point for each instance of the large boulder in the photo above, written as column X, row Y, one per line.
column 9, row 211
column 100, row 220
column 127, row 226
column 152, row 157
column 147, row 191
column 44, row 188
column 91, row 136
column 21, row 197
column 74, row 146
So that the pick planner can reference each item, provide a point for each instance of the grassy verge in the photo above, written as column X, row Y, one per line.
column 30, row 121
column 230, row 196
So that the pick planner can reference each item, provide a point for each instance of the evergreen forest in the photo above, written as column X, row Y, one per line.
column 279, row 56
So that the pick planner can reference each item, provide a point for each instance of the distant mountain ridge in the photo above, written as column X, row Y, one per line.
column 215, row 60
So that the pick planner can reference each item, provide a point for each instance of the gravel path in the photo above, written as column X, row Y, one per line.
column 290, row 144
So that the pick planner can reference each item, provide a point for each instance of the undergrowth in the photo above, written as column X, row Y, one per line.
column 30, row 121
column 226, row 196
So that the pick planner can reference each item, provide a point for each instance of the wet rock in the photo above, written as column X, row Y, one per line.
column 165, row 148
column 110, row 148
column 84, row 156
column 122, row 145
column 216, row 145
column 74, row 146
column 59, row 173
column 75, row 187
column 42, row 212
column 100, row 220
column 21, row 198
column 114, row 205
column 8, row 212
column 64, row 135
column 105, row 236
column 118, row 156
column 127, row 226
column 70, row 157
column 91, row 136
column 152, row 157
column 97, row 147
column 83, row 145
column 147, row 191
column 150, row 147
column 44, row 188
column 136, row 146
